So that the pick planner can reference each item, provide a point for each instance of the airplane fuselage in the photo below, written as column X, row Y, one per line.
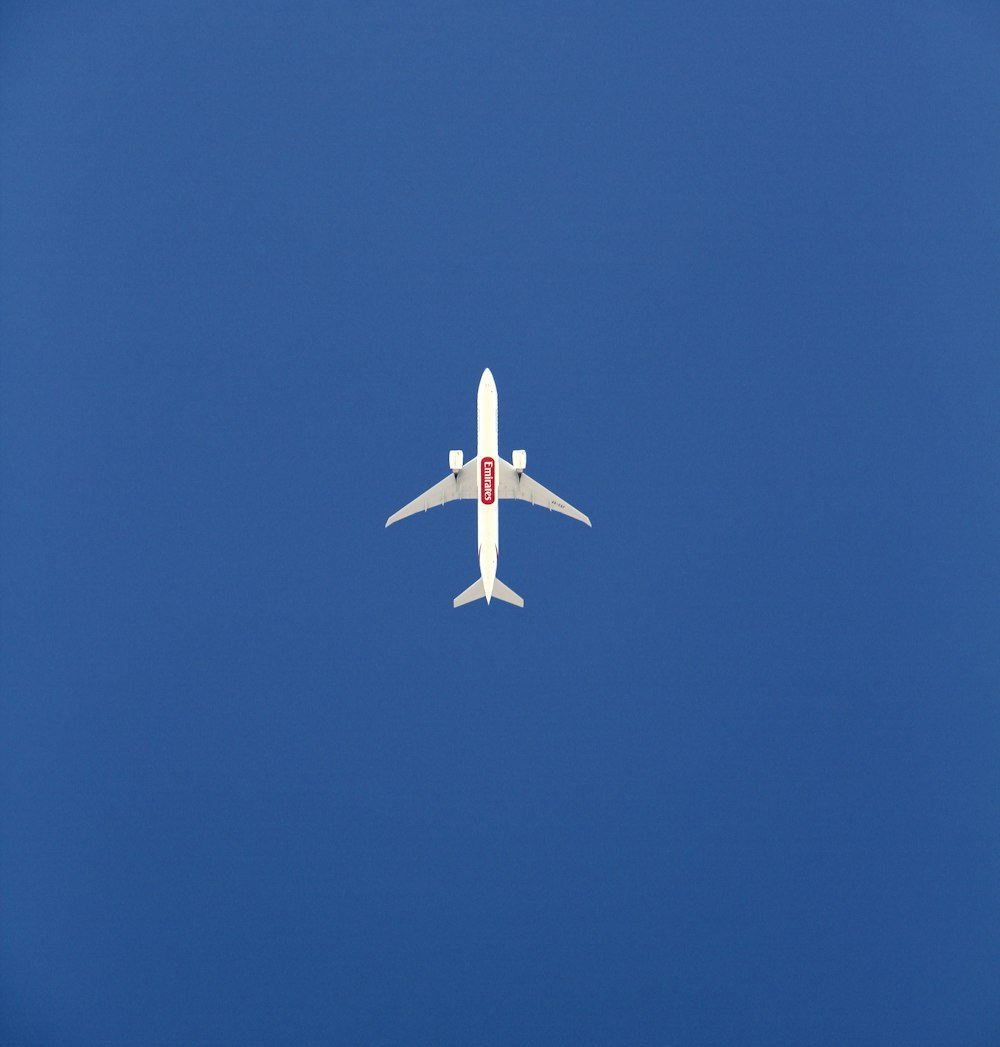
column 487, row 451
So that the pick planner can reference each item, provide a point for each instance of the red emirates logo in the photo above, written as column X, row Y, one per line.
column 486, row 481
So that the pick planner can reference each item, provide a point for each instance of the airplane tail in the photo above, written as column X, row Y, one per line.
column 474, row 592
column 477, row 592
column 501, row 592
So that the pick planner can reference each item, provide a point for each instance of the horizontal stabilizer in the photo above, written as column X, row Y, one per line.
column 477, row 592
column 501, row 592
column 474, row 592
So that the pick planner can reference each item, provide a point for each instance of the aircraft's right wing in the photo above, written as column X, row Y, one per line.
column 463, row 485
column 512, row 485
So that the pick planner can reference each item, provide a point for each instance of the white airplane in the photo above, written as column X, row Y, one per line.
column 488, row 478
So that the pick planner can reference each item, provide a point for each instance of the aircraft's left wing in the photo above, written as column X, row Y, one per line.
column 510, row 485
column 463, row 485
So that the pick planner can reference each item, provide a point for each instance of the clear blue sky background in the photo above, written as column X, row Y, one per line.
column 732, row 775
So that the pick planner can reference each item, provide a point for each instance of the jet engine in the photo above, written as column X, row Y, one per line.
column 455, row 461
column 519, row 459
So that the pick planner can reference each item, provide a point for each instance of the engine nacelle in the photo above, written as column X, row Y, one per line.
column 519, row 459
column 455, row 461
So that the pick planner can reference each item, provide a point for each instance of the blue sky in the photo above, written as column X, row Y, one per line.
column 732, row 774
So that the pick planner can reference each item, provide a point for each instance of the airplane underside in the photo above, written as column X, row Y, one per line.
column 488, row 478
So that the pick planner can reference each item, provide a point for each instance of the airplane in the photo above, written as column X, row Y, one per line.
column 488, row 478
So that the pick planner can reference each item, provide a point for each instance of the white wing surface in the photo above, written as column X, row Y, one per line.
column 463, row 485
column 510, row 485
